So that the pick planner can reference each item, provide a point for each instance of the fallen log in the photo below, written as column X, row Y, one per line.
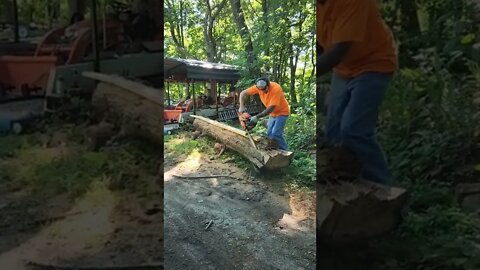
column 349, row 213
column 133, row 108
column 237, row 140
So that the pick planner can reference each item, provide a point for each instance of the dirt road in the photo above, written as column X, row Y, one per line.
column 251, row 227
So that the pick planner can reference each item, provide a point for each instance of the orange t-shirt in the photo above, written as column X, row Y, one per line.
column 360, row 22
column 274, row 96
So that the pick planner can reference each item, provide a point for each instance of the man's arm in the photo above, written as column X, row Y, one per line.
column 242, row 99
column 329, row 59
column 266, row 112
column 350, row 27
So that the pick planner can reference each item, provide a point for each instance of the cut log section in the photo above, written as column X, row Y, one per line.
column 348, row 213
column 135, row 109
column 238, row 141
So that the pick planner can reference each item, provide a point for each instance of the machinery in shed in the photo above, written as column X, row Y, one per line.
column 193, row 76
column 55, row 67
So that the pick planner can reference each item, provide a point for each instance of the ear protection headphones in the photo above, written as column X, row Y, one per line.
column 265, row 79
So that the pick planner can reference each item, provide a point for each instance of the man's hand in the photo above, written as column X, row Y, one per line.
column 253, row 120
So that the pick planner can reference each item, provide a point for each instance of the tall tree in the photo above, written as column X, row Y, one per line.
column 245, row 34
column 211, row 14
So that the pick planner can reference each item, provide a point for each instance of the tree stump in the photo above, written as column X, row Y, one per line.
column 133, row 108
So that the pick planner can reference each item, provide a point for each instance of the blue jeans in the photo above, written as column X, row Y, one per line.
column 275, row 127
column 352, row 117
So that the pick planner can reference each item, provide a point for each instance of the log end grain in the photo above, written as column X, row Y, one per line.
column 349, row 213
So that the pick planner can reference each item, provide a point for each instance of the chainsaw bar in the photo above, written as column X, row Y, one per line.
column 244, row 124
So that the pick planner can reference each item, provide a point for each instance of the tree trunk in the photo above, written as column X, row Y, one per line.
column 313, row 60
column 409, row 18
column 254, row 70
column 135, row 109
column 77, row 6
column 349, row 213
column 266, row 32
column 238, row 141
column 207, row 33
column 293, row 69
column 211, row 15
column 7, row 9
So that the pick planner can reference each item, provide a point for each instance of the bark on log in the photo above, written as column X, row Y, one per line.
column 349, row 213
column 238, row 141
column 136, row 109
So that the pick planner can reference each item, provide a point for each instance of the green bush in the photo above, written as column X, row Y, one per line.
column 300, row 130
column 427, row 128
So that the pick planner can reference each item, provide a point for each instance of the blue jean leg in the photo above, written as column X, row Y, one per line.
column 275, row 128
column 357, row 108
column 338, row 99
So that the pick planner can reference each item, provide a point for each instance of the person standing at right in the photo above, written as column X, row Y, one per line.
column 356, row 43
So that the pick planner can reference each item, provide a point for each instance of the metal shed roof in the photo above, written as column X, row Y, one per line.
column 188, row 69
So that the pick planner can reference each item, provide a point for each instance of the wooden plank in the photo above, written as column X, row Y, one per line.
column 134, row 87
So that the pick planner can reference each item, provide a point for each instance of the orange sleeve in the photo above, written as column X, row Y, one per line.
column 351, row 21
column 252, row 91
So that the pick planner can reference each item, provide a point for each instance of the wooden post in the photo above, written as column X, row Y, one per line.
column 168, row 93
column 194, row 98
column 96, row 55
column 15, row 21
column 217, row 97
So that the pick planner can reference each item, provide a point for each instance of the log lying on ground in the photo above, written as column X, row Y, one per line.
column 238, row 141
column 349, row 213
column 134, row 108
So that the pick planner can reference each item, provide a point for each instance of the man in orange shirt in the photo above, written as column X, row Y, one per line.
column 355, row 42
column 273, row 98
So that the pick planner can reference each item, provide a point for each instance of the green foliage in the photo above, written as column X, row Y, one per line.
column 302, row 171
column 441, row 237
column 278, row 30
column 428, row 128
column 427, row 121
column 300, row 129
column 10, row 144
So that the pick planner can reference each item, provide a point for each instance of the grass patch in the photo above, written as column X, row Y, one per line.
column 11, row 144
column 72, row 174
column 72, row 170
column 182, row 144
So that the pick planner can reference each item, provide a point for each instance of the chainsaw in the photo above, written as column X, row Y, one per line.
column 244, row 119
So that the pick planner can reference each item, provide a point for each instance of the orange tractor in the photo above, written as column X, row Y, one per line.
column 22, row 75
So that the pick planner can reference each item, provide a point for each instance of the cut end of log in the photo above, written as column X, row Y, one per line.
column 348, row 213
column 133, row 108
